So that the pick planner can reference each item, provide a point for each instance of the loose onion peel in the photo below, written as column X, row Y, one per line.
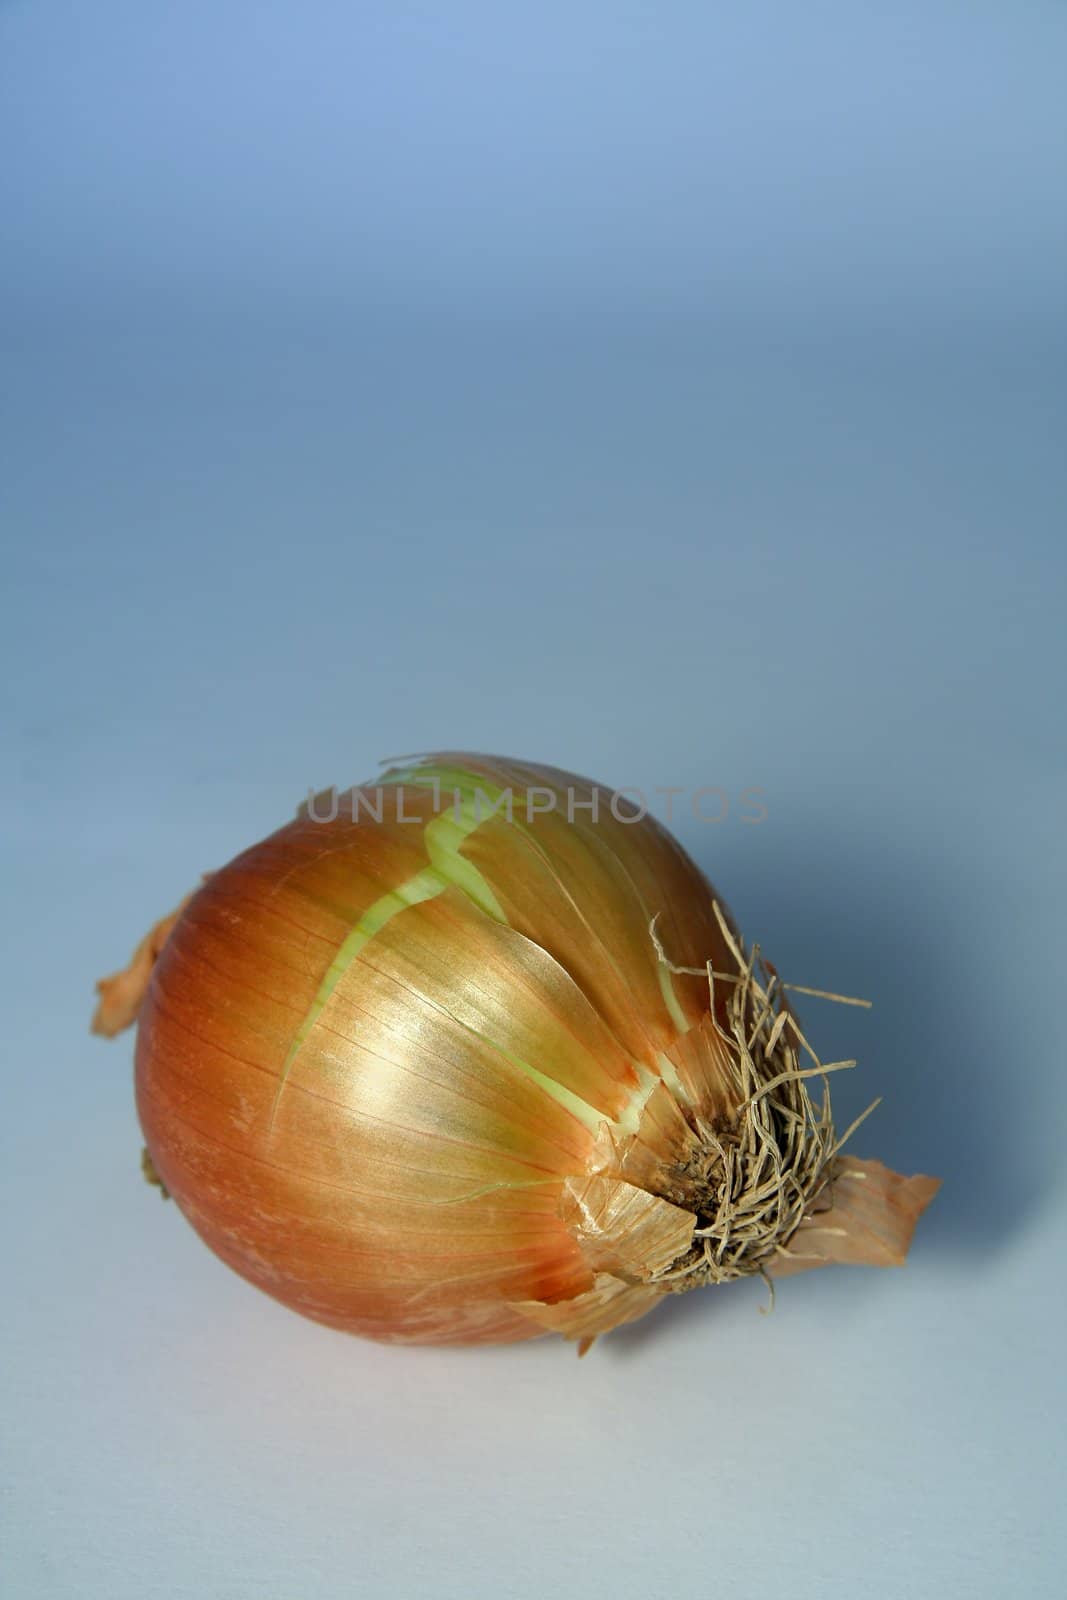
column 452, row 1067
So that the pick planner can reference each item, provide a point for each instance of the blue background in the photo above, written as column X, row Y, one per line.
column 673, row 392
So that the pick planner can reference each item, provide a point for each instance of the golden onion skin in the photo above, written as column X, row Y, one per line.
column 433, row 1070
column 404, row 1180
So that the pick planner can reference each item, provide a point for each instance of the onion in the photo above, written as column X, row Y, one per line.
column 481, row 1056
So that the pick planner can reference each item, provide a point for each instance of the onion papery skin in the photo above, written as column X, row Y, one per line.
column 424, row 1076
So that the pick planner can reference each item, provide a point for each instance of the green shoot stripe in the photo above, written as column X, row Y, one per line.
column 670, row 999
column 443, row 838
column 423, row 886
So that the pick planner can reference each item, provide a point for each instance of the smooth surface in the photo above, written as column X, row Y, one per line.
column 675, row 395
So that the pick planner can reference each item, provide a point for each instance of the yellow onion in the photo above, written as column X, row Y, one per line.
column 475, row 1052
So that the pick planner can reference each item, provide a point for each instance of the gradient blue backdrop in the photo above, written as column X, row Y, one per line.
column 675, row 392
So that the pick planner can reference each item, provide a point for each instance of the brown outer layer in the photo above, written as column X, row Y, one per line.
column 404, row 1176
